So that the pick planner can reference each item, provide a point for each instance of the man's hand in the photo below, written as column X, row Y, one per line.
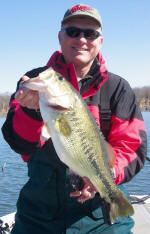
column 27, row 98
column 88, row 191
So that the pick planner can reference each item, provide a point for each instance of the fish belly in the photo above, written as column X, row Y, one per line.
column 82, row 148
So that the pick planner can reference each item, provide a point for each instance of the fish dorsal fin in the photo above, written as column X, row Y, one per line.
column 45, row 134
column 62, row 126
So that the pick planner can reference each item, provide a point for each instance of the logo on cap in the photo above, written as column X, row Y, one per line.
column 80, row 8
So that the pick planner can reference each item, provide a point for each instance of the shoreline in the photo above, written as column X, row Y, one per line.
column 5, row 114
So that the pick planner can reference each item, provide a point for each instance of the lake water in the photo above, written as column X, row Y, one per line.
column 14, row 175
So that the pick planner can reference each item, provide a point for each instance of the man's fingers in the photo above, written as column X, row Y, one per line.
column 88, row 184
column 21, row 94
column 86, row 195
column 88, row 191
column 75, row 194
column 28, row 98
column 25, row 78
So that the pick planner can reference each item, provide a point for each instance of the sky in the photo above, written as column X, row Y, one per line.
column 29, row 36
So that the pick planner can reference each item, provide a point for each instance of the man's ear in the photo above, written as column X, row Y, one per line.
column 101, row 40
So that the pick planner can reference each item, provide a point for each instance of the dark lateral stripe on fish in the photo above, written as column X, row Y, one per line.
column 98, row 171
column 88, row 151
column 74, row 119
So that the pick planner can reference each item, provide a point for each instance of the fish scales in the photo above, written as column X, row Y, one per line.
column 92, row 163
column 76, row 137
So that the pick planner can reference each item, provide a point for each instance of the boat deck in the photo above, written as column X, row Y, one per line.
column 142, row 216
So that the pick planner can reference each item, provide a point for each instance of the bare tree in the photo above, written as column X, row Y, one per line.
column 143, row 97
column 4, row 103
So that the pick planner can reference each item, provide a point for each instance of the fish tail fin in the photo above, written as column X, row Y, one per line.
column 120, row 207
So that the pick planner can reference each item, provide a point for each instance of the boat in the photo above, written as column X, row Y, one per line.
column 6, row 223
column 141, row 204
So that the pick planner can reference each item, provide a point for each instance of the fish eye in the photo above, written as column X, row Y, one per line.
column 61, row 78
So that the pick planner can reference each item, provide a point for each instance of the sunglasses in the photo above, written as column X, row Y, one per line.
column 73, row 32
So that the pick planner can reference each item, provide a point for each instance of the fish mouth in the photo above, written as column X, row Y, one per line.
column 58, row 107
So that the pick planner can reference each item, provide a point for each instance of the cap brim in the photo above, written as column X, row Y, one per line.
column 80, row 15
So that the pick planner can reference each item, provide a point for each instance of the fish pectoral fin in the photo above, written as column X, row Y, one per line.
column 45, row 134
column 63, row 126
column 120, row 207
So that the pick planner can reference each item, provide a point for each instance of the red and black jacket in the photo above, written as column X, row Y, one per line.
column 22, row 128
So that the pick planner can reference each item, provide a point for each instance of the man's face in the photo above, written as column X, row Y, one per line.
column 79, row 50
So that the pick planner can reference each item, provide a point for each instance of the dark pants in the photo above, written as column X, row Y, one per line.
column 45, row 207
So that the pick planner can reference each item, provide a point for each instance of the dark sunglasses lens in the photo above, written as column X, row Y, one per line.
column 73, row 32
column 88, row 33
column 91, row 34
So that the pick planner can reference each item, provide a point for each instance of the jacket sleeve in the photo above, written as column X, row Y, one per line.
column 22, row 127
column 128, row 134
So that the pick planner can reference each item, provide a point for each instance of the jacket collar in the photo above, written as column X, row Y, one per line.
column 98, row 73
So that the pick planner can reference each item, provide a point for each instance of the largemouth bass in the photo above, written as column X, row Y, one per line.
column 77, row 138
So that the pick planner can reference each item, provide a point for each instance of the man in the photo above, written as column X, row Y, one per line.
column 47, row 203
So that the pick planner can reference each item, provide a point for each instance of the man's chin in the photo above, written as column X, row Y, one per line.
column 79, row 60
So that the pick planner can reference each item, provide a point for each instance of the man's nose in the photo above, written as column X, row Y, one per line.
column 81, row 37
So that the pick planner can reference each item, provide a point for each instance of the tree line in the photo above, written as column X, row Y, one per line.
column 142, row 95
column 4, row 103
